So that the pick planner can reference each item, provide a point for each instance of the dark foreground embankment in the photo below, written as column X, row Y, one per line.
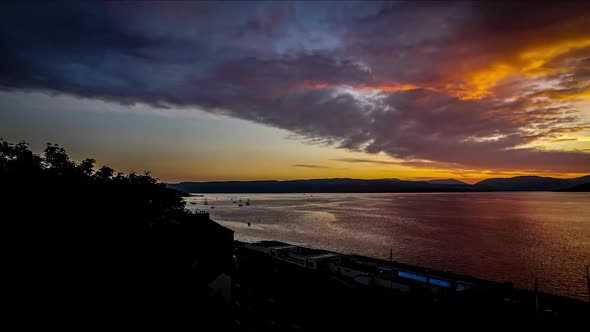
column 275, row 291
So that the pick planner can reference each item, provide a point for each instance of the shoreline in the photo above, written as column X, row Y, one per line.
column 379, row 265
column 290, row 287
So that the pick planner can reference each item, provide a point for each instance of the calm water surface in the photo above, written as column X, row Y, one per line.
column 513, row 237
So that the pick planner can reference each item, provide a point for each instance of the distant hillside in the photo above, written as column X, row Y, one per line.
column 179, row 192
column 529, row 183
column 521, row 183
column 317, row 186
column 580, row 188
column 448, row 181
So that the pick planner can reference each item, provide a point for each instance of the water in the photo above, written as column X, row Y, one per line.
column 513, row 237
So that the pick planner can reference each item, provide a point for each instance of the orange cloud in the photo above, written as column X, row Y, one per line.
column 534, row 59
column 387, row 87
column 477, row 83
column 567, row 94
column 391, row 87
column 528, row 62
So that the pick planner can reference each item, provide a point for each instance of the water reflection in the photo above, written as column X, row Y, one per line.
column 502, row 236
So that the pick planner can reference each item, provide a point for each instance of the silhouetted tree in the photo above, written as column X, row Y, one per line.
column 87, row 166
column 104, row 173
column 91, row 248
column 57, row 159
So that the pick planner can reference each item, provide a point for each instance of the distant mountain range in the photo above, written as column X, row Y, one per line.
column 519, row 183
column 583, row 187
column 447, row 181
column 530, row 183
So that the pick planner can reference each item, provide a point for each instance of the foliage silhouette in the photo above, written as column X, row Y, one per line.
column 95, row 248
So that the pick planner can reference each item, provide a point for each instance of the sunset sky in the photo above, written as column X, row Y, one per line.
column 198, row 91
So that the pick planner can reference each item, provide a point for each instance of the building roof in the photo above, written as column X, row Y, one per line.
column 271, row 244
column 326, row 255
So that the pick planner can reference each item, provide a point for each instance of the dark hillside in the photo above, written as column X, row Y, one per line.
column 95, row 248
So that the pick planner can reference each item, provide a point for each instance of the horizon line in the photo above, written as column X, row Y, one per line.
column 376, row 179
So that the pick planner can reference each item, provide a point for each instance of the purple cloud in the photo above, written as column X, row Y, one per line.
column 427, row 84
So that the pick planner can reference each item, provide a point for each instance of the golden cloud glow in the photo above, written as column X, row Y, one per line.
column 387, row 87
column 393, row 87
column 534, row 59
column 479, row 83
column 567, row 94
column 529, row 62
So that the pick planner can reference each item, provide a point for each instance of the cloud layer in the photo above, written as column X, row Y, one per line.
column 462, row 85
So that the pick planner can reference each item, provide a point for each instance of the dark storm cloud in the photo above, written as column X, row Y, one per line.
column 426, row 83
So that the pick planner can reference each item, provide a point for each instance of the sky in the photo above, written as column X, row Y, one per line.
column 203, row 91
